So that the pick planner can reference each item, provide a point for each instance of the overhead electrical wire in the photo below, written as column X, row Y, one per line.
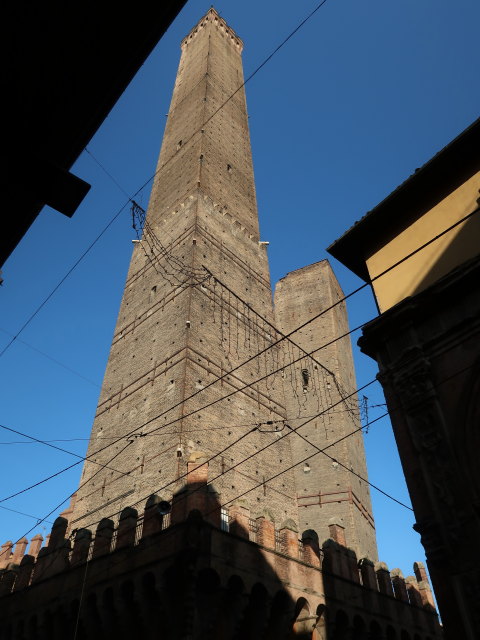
column 249, row 457
column 131, row 198
column 223, row 376
column 52, row 359
column 133, row 431
column 279, row 473
column 182, row 476
column 287, row 335
column 52, row 446
column 166, row 425
column 28, row 515
column 459, row 372
column 223, row 505
column 44, row 519
column 169, row 433
column 284, row 337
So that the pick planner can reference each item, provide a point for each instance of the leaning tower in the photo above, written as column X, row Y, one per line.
column 183, row 379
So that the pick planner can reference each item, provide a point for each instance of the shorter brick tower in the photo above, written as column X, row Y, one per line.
column 320, row 393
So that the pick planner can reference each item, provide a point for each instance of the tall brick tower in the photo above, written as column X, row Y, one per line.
column 180, row 329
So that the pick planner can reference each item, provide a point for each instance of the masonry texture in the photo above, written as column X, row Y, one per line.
column 324, row 387
column 189, row 578
column 179, row 328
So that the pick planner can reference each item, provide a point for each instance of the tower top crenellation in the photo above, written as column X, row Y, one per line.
column 212, row 16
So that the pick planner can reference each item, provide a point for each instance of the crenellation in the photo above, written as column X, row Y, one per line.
column 102, row 542
column 352, row 562
column 310, row 548
column 383, row 578
column 20, row 548
column 35, row 545
column 24, row 572
column 399, row 586
column 6, row 554
column 266, row 532
column 53, row 558
column 414, row 596
column 295, row 562
column 367, row 573
column 153, row 515
column 81, row 546
column 127, row 526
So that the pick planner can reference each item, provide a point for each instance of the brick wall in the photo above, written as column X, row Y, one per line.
column 328, row 493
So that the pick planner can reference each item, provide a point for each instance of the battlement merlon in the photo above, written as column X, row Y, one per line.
column 214, row 17
column 197, row 500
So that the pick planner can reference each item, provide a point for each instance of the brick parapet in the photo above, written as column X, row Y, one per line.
column 135, row 531
column 340, row 561
column 57, row 573
column 239, row 536
column 238, row 541
column 253, row 549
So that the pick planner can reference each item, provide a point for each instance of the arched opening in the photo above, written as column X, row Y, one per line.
column 131, row 616
column 91, row 614
column 47, row 624
column 235, row 586
column 304, row 622
column 375, row 631
column 208, row 581
column 6, row 632
column 209, row 599
column 341, row 630
column 127, row 590
column 359, row 631
column 255, row 614
column 110, row 612
column 320, row 631
column 32, row 627
column 20, row 629
column 229, row 610
column 281, row 615
column 391, row 633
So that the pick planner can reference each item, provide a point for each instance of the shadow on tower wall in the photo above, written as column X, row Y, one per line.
column 181, row 575
column 200, row 572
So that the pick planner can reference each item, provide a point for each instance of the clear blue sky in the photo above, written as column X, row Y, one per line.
column 365, row 93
